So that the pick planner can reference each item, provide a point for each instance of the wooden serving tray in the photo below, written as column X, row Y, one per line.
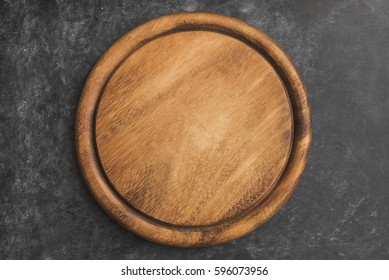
column 193, row 129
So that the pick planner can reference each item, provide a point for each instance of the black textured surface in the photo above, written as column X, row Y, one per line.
column 340, row 208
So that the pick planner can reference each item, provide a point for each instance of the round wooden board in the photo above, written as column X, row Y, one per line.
column 193, row 129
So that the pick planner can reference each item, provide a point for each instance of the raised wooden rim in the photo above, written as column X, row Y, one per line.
column 181, row 236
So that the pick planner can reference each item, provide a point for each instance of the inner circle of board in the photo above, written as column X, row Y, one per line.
column 194, row 128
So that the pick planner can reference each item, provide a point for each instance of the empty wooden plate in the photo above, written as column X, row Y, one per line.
column 193, row 129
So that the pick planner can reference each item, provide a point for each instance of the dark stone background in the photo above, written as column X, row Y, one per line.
column 340, row 208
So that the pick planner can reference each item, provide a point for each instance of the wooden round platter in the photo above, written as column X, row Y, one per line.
column 193, row 129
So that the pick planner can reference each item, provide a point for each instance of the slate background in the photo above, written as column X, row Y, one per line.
column 340, row 208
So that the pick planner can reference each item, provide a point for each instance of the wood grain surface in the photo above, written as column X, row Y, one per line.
column 193, row 129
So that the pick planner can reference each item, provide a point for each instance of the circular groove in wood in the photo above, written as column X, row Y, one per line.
column 194, row 128
column 136, row 142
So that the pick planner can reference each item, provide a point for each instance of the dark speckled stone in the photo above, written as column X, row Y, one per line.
column 340, row 209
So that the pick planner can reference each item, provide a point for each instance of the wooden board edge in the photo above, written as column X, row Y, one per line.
column 176, row 236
